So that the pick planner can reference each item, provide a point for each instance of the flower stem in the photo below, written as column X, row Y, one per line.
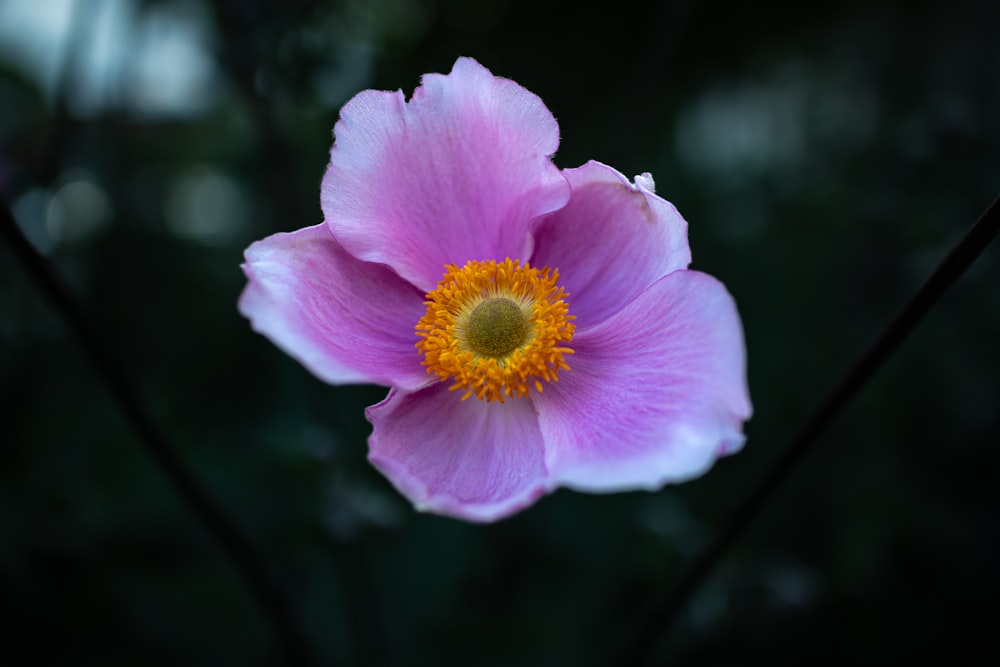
column 234, row 544
column 955, row 263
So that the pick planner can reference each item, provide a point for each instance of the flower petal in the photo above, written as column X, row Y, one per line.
column 469, row 459
column 611, row 241
column 654, row 394
column 343, row 319
column 455, row 174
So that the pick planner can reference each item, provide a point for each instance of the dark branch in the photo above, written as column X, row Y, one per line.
column 944, row 276
column 234, row 545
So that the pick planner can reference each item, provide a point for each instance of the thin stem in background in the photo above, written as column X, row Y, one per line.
column 958, row 260
column 233, row 543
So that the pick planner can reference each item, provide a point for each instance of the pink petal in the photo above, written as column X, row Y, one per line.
column 611, row 241
column 345, row 320
column 654, row 394
column 455, row 174
column 469, row 459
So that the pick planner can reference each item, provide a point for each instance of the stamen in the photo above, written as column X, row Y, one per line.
column 496, row 329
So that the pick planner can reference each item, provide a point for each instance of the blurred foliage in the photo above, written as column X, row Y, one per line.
column 826, row 156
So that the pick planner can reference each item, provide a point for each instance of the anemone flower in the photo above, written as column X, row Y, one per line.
column 537, row 328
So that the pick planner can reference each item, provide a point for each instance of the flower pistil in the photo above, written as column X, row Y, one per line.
column 496, row 328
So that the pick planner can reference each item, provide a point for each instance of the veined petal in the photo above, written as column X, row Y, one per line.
column 656, row 393
column 345, row 320
column 469, row 459
column 458, row 173
column 611, row 241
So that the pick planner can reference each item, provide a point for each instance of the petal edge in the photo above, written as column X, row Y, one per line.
column 641, row 236
column 457, row 173
column 345, row 320
column 654, row 395
column 468, row 459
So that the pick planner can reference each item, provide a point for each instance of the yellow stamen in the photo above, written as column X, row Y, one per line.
column 496, row 328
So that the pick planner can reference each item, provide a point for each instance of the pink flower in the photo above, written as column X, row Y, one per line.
column 537, row 328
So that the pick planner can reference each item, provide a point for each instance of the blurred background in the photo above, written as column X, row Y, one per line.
column 826, row 156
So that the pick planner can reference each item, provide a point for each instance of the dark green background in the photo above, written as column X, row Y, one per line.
column 826, row 156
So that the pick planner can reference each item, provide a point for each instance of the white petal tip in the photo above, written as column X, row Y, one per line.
column 645, row 182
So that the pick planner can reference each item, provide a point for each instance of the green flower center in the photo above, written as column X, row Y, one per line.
column 496, row 327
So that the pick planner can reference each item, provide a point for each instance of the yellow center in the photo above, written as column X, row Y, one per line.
column 496, row 328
